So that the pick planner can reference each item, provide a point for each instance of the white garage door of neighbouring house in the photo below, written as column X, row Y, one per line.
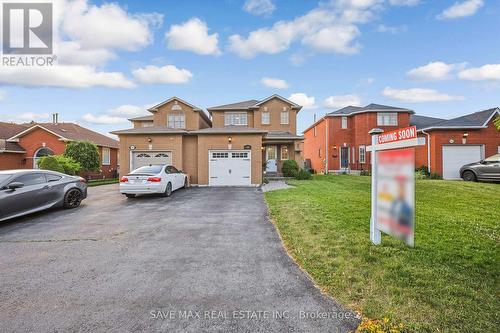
column 229, row 168
column 455, row 156
column 142, row 158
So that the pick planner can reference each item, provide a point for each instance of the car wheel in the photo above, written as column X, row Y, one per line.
column 168, row 190
column 469, row 176
column 73, row 198
column 130, row 195
column 185, row 182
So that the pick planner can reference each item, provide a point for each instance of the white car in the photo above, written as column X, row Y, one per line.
column 157, row 178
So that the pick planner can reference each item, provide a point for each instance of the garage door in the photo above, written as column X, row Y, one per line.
column 454, row 157
column 142, row 158
column 229, row 168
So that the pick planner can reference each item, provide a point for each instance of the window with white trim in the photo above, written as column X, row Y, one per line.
column 387, row 119
column 284, row 118
column 344, row 122
column 362, row 154
column 266, row 119
column 106, row 156
column 284, row 153
column 176, row 120
column 235, row 118
column 147, row 124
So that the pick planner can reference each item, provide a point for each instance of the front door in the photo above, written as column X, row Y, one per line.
column 271, row 159
column 344, row 157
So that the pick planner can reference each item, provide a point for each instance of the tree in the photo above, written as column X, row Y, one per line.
column 70, row 166
column 50, row 163
column 84, row 153
column 497, row 122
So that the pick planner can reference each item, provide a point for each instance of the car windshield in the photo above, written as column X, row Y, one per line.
column 150, row 169
column 4, row 177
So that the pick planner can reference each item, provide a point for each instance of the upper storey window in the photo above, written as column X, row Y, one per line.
column 147, row 124
column 344, row 122
column 176, row 120
column 266, row 118
column 176, row 106
column 285, row 119
column 387, row 119
column 235, row 118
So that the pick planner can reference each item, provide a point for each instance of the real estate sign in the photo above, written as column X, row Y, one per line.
column 396, row 193
column 393, row 183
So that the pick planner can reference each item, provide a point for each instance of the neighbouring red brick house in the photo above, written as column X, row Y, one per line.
column 344, row 148
column 21, row 145
column 452, row 143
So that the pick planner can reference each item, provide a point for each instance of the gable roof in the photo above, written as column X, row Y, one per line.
column 423, row 121
column 251, row 104
column 350, row 110
column 158, row 129
column 8, row 130
column 70, row 132
column 195, row 108
column 478, row 119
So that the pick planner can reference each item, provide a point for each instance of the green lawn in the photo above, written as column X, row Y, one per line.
column 450, row 281
column 98, row 182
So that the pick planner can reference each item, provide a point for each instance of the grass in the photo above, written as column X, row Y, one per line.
column 450, row 280
column 98, row 182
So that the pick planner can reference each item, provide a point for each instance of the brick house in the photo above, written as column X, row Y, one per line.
column 449, row 143
column 458, row 141
column 22, row 145
column 235, row 146
column 337, row 142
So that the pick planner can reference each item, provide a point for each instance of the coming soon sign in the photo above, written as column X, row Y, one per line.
column 393, row 183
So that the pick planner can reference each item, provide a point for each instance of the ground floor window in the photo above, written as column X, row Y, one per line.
column 362, row 154
column 106, row 156
column 284, row 153
column 39, row 154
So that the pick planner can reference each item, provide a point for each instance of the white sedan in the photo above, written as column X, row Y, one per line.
column 157, row 178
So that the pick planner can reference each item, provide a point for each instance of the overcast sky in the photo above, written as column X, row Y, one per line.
column 114, row 59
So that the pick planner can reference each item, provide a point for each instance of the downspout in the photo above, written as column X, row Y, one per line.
column 326, row 148
column 428, row 150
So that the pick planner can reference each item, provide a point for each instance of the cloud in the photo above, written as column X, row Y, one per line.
column 340, row 101
column 3, row 95
column 329, row 28
column 108, row 26
column 192, row 36
column 103, row 119
column 259, row 7
column 168, row 74
column 391, row 30
column 461, row 9
column 303, row 100
column 63, row 76
column 408, row 3
column 274, row 83
column 490, row 72
column 434, row 71
column 418, row 95
column 24, row 117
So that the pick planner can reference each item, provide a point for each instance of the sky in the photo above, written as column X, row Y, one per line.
column 116, row 59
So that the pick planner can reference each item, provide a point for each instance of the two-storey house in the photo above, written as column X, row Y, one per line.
column 338, row 141
column 234, row 144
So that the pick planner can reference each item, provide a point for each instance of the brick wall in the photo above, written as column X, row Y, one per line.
column 314, row 146
column 10, row 161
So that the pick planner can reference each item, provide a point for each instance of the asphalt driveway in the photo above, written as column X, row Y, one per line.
column 205, row 259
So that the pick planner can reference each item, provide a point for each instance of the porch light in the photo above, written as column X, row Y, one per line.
column 466, row 135
column 150, row 140
column 229, row 139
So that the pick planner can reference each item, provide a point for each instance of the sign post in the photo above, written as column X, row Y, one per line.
column 393, row 183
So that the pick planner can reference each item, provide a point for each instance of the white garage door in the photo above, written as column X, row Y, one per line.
column 229, row 167
column 142, row 158
column 455, row 156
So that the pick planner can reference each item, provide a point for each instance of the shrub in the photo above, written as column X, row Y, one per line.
column 290, row 168
column 265, row 181
column 303, row 175
column 70, row 166
column 50, row 163
column 365, row 173
column 423, row 170
column 84, row 153
column 435, row 176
